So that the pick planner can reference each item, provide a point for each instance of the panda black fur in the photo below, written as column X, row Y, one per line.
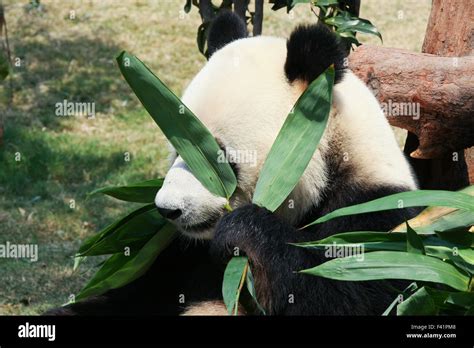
column 342, row 173
column 227, row 27
column 311, row 49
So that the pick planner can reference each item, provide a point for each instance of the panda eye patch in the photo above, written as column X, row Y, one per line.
column 228, row 158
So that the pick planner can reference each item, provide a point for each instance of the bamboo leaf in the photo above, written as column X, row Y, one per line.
column 414, row 242
column 141, row 192
column 392, row 265
column 368, row 239
column 440, row 218
column 409, row 289
column 430, row 301
column 251, row 289
column 461, row 255
column 187, row 6
column 458, row 236
column 447, row 219
column 296, row 2
column 295, row 143
column 405, row 200
column 121, row 269
column 189, row 136
column 135, row 228
column 450, row 221
column 372, row 240
column 234, row 275
column 420, row 303
column 326, row 2
column 133, row 235
column 345, row 22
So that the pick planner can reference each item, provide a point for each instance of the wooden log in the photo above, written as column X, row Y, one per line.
column 430, row 96
column 435, row 142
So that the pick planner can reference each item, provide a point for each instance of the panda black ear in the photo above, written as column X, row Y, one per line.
column 224, row 29
column 311, row 49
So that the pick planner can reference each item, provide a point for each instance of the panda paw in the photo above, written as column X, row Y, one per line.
column 249, row 230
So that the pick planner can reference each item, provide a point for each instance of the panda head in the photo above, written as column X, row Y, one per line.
column 243, row 95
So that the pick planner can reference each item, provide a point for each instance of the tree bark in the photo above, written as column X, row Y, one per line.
column 442, row 87
column 450, row 32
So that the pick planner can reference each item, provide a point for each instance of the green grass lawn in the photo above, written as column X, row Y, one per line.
column 67, row 51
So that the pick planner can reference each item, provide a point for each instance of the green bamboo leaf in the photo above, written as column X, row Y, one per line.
column 405, row 200
column 430, row 301
column 128, row 226
column 348, row 37
column 458, row 257
column 140, row 192
column 296, row 2
column 201, row 38
column 345, row 22
column 414, row 242
column 420, row 303
column 392, row 265
column 440, row 218
column 450, row 221
column 470, row 311
column 326, row 2
column 368, row 239
column 234, row 274
column 389, row 241
column 458, row 236
column 295, row 143
column 187, row 6
column 121, row 269
column 467, row 255
column 189, row 136
column 408, row 290
column 132, row 235
column 461, row 299
column 251, row 289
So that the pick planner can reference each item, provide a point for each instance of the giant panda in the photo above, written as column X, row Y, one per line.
column 243, row 95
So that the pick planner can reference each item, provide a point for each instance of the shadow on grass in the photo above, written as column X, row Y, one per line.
column 76, row 70
column 42, row 169
column 31, row 288
column 31, row 159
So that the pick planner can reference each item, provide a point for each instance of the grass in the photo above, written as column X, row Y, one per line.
column 66, row 50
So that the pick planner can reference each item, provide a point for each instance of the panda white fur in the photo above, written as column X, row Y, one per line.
column 243, row 95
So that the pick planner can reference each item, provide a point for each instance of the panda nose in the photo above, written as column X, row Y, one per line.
column 171, row 214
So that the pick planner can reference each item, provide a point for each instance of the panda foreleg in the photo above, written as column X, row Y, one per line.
column 281, row 290
column 263, row 238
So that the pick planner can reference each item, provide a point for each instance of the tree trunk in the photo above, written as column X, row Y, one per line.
column 205, row 10
column 257, row 18
column 449, row 33
column 450, row 30
column 240, row 8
